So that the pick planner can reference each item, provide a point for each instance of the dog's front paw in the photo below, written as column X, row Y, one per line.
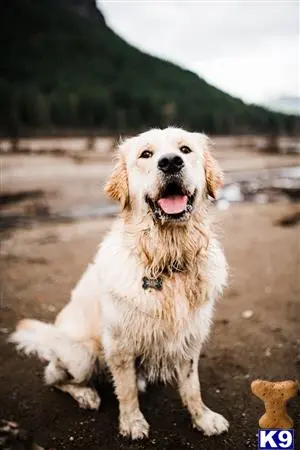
column 134, row 426
column 211, row 423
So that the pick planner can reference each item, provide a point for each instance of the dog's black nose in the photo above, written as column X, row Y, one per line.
column 170, row 163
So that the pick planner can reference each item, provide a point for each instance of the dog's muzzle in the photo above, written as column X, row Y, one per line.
column 174, row 201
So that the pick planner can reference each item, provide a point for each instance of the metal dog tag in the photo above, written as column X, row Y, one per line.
column 154, row 283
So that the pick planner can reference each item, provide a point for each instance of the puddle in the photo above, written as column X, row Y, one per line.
column 260, row 186
column 257, row 186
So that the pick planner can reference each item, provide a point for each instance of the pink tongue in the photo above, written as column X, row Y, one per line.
column 173, row 205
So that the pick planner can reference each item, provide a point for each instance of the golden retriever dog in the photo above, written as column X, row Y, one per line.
column 143, row 309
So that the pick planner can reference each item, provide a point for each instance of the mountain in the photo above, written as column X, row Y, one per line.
column 84, row 8
column 62, row 68
column 285, row 104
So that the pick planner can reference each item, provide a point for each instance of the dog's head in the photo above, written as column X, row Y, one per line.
column 165, row 172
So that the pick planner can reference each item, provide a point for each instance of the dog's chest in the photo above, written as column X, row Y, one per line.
column 161, row 345
column 159, row 314
column 162, row 324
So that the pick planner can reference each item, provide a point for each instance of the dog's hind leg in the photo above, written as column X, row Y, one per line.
column 86, row 397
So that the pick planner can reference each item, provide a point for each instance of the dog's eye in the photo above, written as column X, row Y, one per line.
column 185, row 149
column 146, row 154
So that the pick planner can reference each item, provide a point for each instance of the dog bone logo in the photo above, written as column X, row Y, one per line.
column 275, row 396
column 152, row 283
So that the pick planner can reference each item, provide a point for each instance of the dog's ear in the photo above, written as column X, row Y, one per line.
column 213, row 173
column 117, row 184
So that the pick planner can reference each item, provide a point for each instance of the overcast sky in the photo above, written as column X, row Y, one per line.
column 247, row 48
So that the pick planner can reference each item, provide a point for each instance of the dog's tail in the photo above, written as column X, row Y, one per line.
column 51, row 344
column 39, row 338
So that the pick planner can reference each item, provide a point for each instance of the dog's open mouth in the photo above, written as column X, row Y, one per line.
column 173, row 202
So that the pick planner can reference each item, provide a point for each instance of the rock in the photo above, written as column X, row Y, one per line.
column 247, row 314
column 268, row 352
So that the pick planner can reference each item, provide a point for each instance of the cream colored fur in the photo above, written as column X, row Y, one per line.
column 110, row 317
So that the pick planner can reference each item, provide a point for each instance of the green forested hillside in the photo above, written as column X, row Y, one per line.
column 61, row 67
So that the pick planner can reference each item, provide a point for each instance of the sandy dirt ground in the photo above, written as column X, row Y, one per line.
column 41, row 264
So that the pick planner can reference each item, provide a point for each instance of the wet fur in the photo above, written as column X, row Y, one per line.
column 113, row 319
